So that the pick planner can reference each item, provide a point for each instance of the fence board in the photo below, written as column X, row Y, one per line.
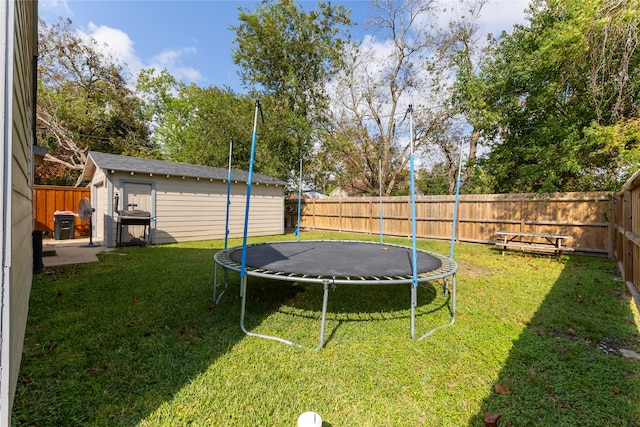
column 49, row 198
column 627, row 235
column 584, row 216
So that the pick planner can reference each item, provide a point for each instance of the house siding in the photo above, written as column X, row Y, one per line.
column 19, row 26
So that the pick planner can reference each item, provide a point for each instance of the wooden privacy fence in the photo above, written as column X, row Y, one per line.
column 48, row 198
column 627, row 233
column 583, row 216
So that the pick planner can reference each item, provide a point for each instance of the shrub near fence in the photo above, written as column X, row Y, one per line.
column 584, row 216
column 627, row 235
column 48, row 198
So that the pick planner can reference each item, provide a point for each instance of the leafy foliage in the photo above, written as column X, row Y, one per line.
column 84, row 104
column 433, row 181
column 196, row 125
column 289, row 55
column 555, row 92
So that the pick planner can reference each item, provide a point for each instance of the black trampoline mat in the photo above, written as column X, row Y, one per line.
column 336, row 258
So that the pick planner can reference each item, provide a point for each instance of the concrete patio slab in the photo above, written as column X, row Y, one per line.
column 71, row 251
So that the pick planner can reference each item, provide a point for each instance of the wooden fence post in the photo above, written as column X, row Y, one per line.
column 612, row 228
column 522, row 219
column 627, row 219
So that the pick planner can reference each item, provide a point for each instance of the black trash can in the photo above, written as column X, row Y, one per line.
column 38, row 265
column 64, row 226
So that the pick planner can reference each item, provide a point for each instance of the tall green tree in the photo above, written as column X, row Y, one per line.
column 288, row 55
column 84, row 103
column 560, row 98
column 195, row 125
column 461, row 51
column 285, row 51
column 367, row 133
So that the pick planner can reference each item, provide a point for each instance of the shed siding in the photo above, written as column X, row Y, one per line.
column 196, row 210
column 18, row 152
column 188, row 209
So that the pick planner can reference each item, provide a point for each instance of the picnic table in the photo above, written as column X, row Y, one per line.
column 535, row 242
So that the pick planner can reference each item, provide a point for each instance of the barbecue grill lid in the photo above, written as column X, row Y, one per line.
column 134, row 213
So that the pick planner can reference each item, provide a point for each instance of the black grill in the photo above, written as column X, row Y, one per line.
column 133, row 217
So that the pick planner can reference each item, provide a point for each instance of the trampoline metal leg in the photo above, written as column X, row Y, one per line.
column 243, row 303
column 325, row 300
column 215, row 280
column 216, row 297
column 414, row 303
column 414, row 300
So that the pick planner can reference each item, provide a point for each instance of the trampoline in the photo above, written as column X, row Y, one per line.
column 332, row 263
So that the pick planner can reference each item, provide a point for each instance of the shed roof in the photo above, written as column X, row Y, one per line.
column 115, row 162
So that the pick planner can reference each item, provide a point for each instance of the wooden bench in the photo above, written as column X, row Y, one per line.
column 534, row 242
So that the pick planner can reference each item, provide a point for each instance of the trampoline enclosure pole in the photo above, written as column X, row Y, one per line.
column 455, row 206
column 226, row 233
column 414, row 304
column 226, row 225
column 243, row 262
column 414, row 254
column 325, row 299
column 297, row 232
column 380, row 194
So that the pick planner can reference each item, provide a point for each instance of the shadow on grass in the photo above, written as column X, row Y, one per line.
column 108, row 343
column 564, row 369
column 347, row 303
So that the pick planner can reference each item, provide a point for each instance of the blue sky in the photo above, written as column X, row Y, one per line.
column 192, row 39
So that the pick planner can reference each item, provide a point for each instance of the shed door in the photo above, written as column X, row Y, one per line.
column 98, row 198
column 136, row 196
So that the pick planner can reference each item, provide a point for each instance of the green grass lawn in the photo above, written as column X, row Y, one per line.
column 134, row 340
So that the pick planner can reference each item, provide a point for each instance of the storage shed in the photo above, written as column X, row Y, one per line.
column 184, row 202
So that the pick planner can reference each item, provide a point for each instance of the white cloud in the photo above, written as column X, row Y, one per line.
column 167, row 56
column 54, row 8
column 117, row 44
column 171, row 60
column 499, row 15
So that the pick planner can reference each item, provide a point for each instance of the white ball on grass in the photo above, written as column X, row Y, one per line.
column 309, row 419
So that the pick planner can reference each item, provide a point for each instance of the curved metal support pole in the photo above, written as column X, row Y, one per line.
column 216, row 297
column 243, row 293
column 414, row 304
column 325, row 301
column 215, row 284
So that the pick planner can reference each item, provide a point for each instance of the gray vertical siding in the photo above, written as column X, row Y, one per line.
column 20, row 19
